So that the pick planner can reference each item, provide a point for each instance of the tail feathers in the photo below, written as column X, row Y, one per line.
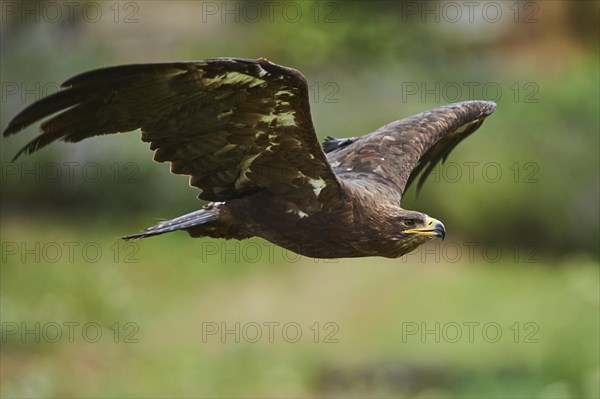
column 181, row 223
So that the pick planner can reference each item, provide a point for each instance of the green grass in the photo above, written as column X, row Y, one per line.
column 171, row 291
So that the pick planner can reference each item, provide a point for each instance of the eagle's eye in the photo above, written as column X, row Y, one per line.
column 410, row 222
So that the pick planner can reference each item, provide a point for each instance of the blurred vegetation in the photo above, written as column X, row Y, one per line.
column 168, row 296
column 361, row 60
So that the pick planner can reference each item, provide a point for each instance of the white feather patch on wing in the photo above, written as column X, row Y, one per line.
column 297, row 212
column 317, row 185
column 232, row 78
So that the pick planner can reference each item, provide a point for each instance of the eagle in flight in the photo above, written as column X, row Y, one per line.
column 242, row 130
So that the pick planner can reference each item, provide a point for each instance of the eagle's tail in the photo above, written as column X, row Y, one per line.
column 184, row 222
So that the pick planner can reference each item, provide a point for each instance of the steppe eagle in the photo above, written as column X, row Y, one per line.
column 242, row 130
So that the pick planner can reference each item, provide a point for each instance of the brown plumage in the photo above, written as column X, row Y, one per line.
column 242, row 130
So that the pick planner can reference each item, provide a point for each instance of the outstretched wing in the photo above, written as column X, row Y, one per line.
column 398, row 152
column 234, row 126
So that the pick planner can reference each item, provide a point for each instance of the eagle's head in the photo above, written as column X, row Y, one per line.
column 412, row 229
column 417, row 224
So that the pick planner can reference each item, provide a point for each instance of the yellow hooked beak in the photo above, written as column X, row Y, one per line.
column 433, row 228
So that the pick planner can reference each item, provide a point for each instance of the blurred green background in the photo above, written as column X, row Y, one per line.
column 507, row 306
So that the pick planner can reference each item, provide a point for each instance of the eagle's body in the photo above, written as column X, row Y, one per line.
column 242, row 130
column 281, row 223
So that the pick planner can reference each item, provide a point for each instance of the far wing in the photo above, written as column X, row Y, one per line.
column 234, row 126
column 398, row 152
